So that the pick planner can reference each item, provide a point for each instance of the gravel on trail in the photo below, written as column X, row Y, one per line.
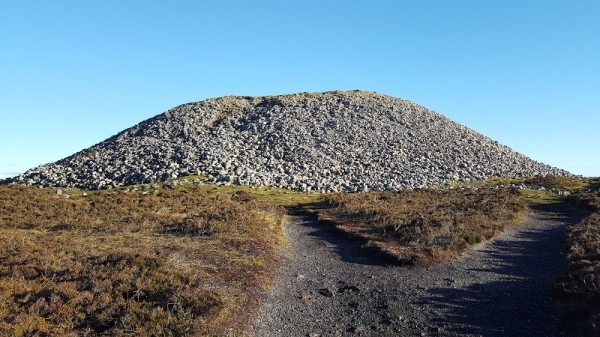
column 328, row 286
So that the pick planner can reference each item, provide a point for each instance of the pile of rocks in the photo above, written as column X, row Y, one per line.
column 332, row 141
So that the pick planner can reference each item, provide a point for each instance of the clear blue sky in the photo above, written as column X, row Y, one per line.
column 525, row 73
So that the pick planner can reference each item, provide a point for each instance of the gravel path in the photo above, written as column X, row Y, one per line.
column 329, row 287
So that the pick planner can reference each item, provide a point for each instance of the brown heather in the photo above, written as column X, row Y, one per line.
column 579, row 290
column 195, row 260
column 187, row 262
column 424, row 226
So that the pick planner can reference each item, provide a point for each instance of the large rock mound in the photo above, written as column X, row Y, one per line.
column 330, row 141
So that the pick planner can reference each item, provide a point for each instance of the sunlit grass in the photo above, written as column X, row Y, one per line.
column 191, row 261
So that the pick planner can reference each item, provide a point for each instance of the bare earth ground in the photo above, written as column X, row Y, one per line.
column 328, row 286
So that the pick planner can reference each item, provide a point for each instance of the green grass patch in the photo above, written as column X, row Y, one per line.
column 493, row 181
column 533, row 197
column 562, row 183
column 549, row 181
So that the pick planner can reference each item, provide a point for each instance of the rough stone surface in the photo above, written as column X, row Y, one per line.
column 333, row 141
column 500, row 288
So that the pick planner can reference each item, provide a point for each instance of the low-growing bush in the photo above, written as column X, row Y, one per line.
column 423, row 226
column 173, row 263
column 587, row 200
column 578, row 291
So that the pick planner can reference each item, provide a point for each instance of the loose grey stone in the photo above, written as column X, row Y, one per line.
column 327, row 292
column 334, row 141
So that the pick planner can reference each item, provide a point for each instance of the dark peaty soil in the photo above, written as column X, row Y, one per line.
column 328, row 286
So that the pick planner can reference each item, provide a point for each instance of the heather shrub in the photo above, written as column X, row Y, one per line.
column 423, row 226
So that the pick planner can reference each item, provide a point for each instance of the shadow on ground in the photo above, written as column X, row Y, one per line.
column 529, row 261
column 350, row 249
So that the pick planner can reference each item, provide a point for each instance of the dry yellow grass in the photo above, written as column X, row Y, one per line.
column 172, row 263
column 563, row 183
column 424, row 226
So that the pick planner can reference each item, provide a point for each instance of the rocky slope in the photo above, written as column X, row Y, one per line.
column 330, row 141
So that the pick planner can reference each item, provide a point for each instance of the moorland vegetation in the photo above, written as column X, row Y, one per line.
column 579, row 290
column 425, row 226
column 191, row 259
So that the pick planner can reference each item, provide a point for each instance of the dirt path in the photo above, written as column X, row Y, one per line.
column 328, row 287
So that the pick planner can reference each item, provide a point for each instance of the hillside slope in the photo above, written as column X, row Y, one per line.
column 330, row 141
